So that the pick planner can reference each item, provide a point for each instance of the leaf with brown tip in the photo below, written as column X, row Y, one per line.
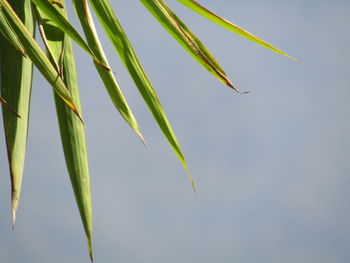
column 189, row 41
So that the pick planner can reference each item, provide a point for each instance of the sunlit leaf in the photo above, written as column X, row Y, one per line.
column 71, row 129
column 107, row 77
column 38, row 57
column 16, row 81
column 7, row 32
column 200, row 9
column 127, row 54
column 169, row 20
column 60, row 21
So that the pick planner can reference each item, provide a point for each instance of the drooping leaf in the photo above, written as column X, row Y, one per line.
column 71, row 129
column 60, row 21
column 37, row 56
column 107, row 77
column 200, row 9
column 16, row 81
column 169, row 20
column 127, row 54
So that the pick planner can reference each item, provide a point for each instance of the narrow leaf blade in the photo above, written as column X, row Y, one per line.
column 107, row 77
column 61, row 21
column 200, row 9
column 169, row 20
column 16, row 81
column 127, row 54
column 71, row 129
column 7, row 31
column 37, row 56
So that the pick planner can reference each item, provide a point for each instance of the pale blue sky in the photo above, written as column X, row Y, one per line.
column 272, row 167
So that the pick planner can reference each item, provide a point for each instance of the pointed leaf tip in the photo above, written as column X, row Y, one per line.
column 229, row 83
column 14, row 204
column 2, row 101
column 90, row 250
column 200, row 9
column 143, row 140
column 193, row 183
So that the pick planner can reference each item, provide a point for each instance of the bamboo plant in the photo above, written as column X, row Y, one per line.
column 19, row 51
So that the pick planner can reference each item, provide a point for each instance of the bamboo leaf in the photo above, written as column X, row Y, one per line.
column 16, row 81
column 107, row 77
column 71, row 129
column 195, row 6
column 168, row 19
column 127, row 54
column 37, row 56
column 7, row 32
column 60, row 21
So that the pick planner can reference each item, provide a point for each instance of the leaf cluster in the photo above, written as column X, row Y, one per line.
column 19, row 51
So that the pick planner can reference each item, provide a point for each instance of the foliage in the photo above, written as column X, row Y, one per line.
column 19, row 51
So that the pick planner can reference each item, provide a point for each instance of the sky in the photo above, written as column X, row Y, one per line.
column 271, row 166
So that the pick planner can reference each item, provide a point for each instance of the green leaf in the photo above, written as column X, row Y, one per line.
column 7, row 32
column 60, row 21
column 37, row 56
column 168, row 19
column 71, row 129
column 16, row 81
column 107, row 77
column 195, row 6
column 127, row 54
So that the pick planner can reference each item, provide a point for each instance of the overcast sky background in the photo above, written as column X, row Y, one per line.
column 272, row 167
